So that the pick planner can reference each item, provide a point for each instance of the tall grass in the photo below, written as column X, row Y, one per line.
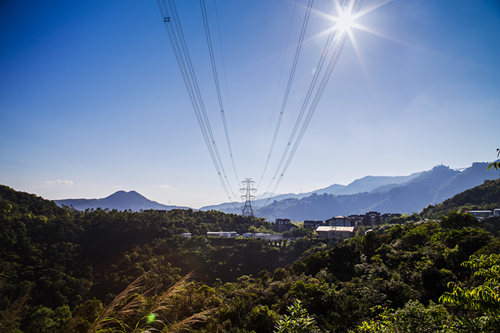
column 10, row 317
column 135, row 309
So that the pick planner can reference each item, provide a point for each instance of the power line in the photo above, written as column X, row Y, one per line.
column 329, row 58
column 337, row 49
column 225, row 77
column 319, row 92
column 289, row 84
column 183, row 59
column 307, row 97
column 332, row 63
column 217, row 85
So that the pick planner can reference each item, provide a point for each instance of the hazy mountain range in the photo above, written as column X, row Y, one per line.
column 365, row 184
column 429, row 187
column 385, row 194
column 381, row 193
column 120, row 200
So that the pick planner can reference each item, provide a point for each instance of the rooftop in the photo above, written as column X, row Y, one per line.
column 334, row 228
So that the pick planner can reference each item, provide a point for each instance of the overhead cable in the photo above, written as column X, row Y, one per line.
column 338, row 45
column 208, row 37
column 177, row 40
column 289, row 84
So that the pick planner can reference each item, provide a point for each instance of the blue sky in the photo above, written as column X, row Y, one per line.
column 92, row 101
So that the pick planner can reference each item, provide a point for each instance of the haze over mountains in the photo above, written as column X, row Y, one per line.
column 365, row 184
column 429, row 187
column 120, row 200
column 384, row 194
column 401, row 194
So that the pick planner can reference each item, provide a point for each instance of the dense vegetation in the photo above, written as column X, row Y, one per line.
column 485, row 196
column 109, row 271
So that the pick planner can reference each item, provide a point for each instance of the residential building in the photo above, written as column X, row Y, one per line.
column 372, row 218
column 356, row 219
column 281, row 225
column 186, row 234
column 335, row 233
column 480, row 214
column 227, row 234
column 387, row 216
column 312, row 224
column 339, row 221
column 262, row 235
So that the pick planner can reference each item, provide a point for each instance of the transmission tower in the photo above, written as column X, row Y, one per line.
column 247, row 196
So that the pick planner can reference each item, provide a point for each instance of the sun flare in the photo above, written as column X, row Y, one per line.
column 344, row 21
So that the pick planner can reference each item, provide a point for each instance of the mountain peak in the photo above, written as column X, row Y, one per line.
column 120, row 200
column 125, row 194
column 441, row 167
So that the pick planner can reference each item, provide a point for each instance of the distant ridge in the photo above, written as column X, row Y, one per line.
column 393, row 194
column 365, row 184
column 120, row 200
column 429, row 187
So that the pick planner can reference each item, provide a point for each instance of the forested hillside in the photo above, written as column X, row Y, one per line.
column 485, row 196
column 109, row 271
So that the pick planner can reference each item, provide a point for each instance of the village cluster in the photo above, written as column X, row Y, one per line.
column 334, row 229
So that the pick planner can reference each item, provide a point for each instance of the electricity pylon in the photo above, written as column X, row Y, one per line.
column 248, row 196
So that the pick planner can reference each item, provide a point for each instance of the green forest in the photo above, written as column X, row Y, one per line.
column 63, row 270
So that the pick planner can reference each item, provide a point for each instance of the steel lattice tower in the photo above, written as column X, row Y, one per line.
column 247, row 196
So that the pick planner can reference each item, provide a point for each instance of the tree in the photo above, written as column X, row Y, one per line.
column 482, row 300
column 413, row 317
column 496, row 164
column 298, row 321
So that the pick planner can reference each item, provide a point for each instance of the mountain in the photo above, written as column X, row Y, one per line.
column 365, row 184
column 120, row 200
column 485, row 196
column 236, row 206
column 429, row 187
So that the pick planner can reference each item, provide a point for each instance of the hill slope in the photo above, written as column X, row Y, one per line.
column 485, row 196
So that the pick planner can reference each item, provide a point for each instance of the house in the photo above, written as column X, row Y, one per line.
column 227, row 234
column 335, row 233
column 356, row 219
column 186, row 234
column 339, row 221
column 481, row 214
column 281, row 225
column 387, row 216
column 312, row 224
column 262, row 235
column 372, row 218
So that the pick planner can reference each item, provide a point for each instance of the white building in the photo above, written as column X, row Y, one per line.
column 335, row 232
column 262, row 235
column 227, row 234
column 481, row 214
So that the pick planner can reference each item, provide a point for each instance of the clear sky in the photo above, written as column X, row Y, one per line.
column 92, row 101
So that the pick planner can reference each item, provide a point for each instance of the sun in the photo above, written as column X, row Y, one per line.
column 345, row 20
